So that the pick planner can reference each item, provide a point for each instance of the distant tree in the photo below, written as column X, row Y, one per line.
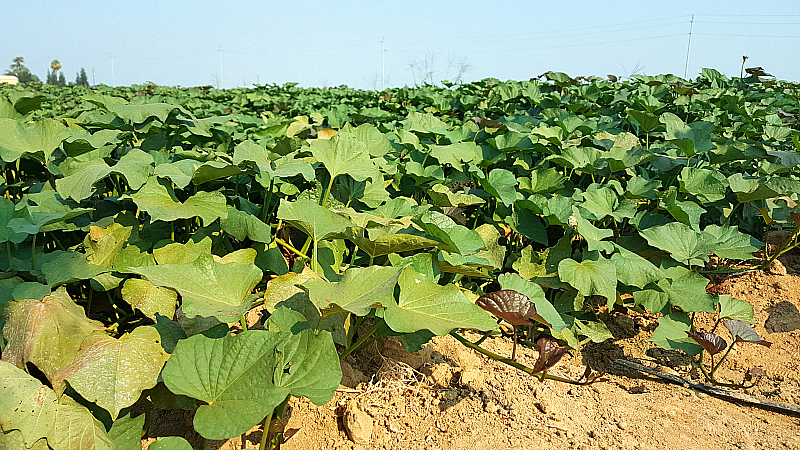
column 62, row 80
column 19, row 70
column 52, row 78
column 81, row 79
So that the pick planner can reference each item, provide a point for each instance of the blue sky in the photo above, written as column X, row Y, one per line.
column 332, row 43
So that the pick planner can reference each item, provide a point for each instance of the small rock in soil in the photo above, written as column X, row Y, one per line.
column 441, row 374
column 776, row 268
column 357, row 423
column 472, row 378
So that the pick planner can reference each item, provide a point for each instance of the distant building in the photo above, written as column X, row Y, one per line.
column 8, row 79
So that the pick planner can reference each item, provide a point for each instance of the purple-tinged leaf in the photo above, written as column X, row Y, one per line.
column 711, row 342
column 743, row 332
column 549, row 355
column 512, row 306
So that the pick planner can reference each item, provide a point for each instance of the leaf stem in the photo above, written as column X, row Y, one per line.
column 360, row 341
column 268, row 201
column 290, row 247
column 33, row 252
column 265, row 434
column 541, row 375
column 327, row 193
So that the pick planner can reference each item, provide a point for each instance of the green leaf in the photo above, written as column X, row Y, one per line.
column 692, row 138
column 647, row 121
column 102, row 371
column 687, row 290
column 728, row 242
column 687, row 213
column 590, row 277
column 104, row 244
column 731, row 308
column 177, row 253
column 529, row 224
column 360, row 290
column 161, row 203
column 373, row 242
column 456, row 238
column 141, row 113
column 170, row 443
column 317, row 222
column 36, row 140
column 709, row 185
column 47, row 333
column 126, row 432
column 208, row 288
column 680, row 241
column 634, row 270
column 594, row 236
column 425, row 123
column 244, row 377
column 33, row 409
column 149, row 298
column 595, row 331
column 242, row 225
column 494, row 252
column 535, row 293
column 345, row 153
column 66, row 267
column 671, row 334
column 442, row 196
column 457, row 154
column 600, row 202
column 542, row 181
column 6, row 214
column 135, row 166
column 427, row 305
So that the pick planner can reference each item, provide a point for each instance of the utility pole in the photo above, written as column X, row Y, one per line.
column 221, row 78
column 113, row 78
column 94, row 83
column 383, row 64
column 689, row 47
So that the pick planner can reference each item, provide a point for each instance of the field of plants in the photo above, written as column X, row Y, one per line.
column 139, row 226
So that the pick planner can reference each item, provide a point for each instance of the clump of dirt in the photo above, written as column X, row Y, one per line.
column 450, row 397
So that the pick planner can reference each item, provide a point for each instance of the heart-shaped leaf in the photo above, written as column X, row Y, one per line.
column 33, row 409
column 512, row 306
column 207, row 287
column 424, row 305
column 712, row 342
column 245, row 376
column 743, row 332
column 549, row 355
column 360, row 290
column 47, row 333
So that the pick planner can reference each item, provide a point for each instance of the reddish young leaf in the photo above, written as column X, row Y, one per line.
column 712, row 342
column 743, row 332
column 512, row 306
column 549, row 355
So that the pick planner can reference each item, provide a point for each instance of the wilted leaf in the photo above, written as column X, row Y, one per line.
column 33, row 409
column 47, row 333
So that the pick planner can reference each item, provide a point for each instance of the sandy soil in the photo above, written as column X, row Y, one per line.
column 449, row 397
